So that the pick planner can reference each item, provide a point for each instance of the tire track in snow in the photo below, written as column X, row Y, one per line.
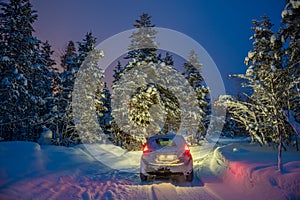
column 163, row 191
column 197, row 193
column 166, row 191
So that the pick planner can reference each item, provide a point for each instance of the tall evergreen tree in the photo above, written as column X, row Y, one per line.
column 25, row 82
column 64, row 126
column 158, row 92
column 84, row 98
column 143, row 47
column 47, row 54
column 103, row 107
column 290, row 32
column 69, row 59
column 168, row 59
column 86, row 46
column 118, row 72
column 192, row 73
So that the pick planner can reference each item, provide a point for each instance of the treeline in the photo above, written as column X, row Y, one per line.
column 36, row 96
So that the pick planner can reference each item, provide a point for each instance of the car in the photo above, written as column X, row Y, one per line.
column 166, row 156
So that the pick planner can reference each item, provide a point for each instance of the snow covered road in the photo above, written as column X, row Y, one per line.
column 110, row 185
column 234, row 171
column 30, row 171
column 169, row 191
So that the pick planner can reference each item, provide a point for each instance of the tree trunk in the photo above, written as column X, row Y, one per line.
column 279, row 163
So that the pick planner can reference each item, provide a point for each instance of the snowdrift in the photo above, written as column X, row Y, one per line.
column 250, row 171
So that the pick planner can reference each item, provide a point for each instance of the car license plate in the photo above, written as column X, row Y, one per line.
column 166, row 157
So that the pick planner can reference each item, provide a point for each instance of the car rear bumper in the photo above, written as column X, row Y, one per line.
column 166, row 170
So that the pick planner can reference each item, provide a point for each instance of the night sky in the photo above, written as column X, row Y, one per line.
column 221, row 27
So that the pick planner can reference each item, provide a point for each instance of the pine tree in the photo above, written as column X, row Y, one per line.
column 64, row 126
column 168, row 59
column 40, row 80
column 84, row 110
column 86, row 46
column 46, row 54
column 69, row 59
column 143, row 47
column 25, row 82
column 159, row 97
column 103, row 107
column 172, row 111
column 291, row 36
column 118, row 72
column 192, row 73
column 160, row 100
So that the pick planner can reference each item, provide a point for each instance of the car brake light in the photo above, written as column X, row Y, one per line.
column 187, row 151
column 145, row 149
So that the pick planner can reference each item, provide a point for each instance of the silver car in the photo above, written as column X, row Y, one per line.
column 166, row 155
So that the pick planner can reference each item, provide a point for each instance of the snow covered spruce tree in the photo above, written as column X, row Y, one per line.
column 118, row 72
column 63, row 127
column 267, row 75
column 85, row 100
column 46, row 54
column 103, row 107
column 139, row 51
column 290, row 35
column 143, row 47
column 117, row 134
column 156, row 91
column 69, row 59
column 193, row 75
column 43, row 77
column 85, row 47
column 24, row 76
column 65, row 130
column 87, row 86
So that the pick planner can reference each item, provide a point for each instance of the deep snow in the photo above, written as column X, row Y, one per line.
column 234, row 170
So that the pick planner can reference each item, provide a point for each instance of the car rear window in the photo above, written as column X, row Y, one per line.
column 164, row 142
column 157, row 143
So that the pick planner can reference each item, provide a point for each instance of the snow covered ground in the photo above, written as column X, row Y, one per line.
column 247, row 171
column 235, row 170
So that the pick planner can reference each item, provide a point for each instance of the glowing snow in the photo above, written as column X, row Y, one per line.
column 237, row 170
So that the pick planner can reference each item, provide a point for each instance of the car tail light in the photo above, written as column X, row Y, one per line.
column 146, row 149
column 187, row 151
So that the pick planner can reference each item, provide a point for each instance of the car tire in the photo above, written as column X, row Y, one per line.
column 143, row 177
column 190, row 176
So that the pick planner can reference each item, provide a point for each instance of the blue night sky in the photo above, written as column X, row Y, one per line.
column 221, row 27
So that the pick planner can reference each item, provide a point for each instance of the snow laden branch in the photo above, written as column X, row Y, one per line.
column 246, row 114
column 155, row 97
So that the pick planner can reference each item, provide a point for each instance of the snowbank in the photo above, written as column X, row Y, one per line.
column 31, row 171
column 250, row 171
column 14, row 159
column 115, row 157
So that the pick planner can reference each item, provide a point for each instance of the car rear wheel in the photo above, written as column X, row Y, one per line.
column 190, row 176
column 143, row 177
